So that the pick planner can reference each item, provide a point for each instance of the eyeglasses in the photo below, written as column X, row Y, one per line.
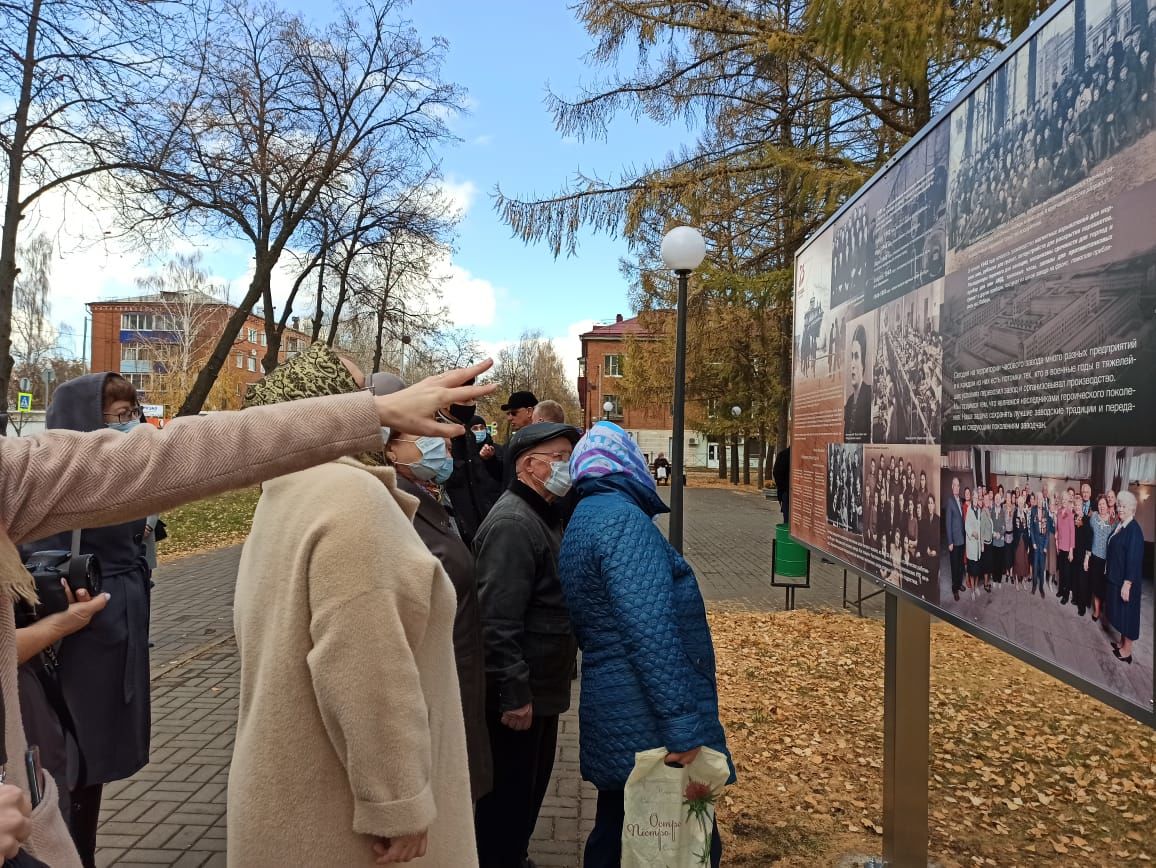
column 125, row 415
column 554, row 456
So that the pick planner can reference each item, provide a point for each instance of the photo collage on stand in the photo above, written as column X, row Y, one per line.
column 984, row 336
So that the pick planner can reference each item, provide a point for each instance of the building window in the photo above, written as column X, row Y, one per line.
column 252, row 336
column 147, row 322
column 142, row 382
column 711, row 407
column 264, row 340
column 612, row 365
column 135, row 359
column 240, row 360
column 582, row 367
column 616, row 411
column 252, row 364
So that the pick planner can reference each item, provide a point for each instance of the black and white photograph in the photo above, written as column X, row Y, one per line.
column 1101, row 323
column 816, row 328
column 859, row 367
column 845, row 487
column 853, row 254
column 907, row 375
column 1052, row 549
column 901, row 516
column 1076, row 101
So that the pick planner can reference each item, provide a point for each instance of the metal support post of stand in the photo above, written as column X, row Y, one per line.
column 906, row 740
column 859, row 598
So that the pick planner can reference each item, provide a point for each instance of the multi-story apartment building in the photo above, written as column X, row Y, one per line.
column 159, row 341
column 600, row 369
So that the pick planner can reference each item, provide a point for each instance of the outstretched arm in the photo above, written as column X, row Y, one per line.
column 63, row 480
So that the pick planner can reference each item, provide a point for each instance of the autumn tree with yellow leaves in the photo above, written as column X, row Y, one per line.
column 796, row 104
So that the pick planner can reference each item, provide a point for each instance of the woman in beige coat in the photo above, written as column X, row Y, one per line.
column 349, row 688
column 64, row 479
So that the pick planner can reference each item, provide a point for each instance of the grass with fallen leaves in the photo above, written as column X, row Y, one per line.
column 1026, row 771
column 208, row 524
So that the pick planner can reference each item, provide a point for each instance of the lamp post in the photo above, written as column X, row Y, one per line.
column 683, row 250
column 737, row 412
column 608, row 408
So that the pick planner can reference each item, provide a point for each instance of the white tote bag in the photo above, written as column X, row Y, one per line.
column 670, row 811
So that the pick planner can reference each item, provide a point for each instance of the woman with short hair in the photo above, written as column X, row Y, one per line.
column 1125, row 576
column 1095, row 560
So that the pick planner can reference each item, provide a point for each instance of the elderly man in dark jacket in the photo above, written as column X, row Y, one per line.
column 530, row 649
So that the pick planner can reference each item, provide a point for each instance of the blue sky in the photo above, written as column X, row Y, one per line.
column 503, row 54
column 506, row 54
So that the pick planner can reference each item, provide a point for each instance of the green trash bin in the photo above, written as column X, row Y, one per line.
column 790, row 557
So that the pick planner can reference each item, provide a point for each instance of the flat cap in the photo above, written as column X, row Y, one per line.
column 536, row 435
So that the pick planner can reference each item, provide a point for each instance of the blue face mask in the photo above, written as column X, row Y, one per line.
column 436, row 464
column 123, row 427
column 481, row 436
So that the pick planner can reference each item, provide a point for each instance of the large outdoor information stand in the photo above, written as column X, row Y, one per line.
column 977, row 327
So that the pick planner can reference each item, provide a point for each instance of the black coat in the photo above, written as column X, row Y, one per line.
column 436, row 529
column 474, row 487
column 857, row 415
column 104, row 668
column 530, row 648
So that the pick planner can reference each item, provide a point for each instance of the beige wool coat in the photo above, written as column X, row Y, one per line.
column 350, row 720
column 62, row 480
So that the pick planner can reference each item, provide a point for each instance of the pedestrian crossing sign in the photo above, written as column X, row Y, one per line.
column 24, row 402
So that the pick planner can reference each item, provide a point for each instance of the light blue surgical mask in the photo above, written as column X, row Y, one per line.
column 481, row 436
column 558, row 482
column 436, row 464
column 123, row 427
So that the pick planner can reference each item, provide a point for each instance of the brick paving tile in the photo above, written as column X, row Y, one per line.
column 173, row 811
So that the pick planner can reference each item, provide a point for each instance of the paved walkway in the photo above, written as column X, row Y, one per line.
column 173, row 811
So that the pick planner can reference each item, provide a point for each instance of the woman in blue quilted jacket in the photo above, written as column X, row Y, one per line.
column 648, row 668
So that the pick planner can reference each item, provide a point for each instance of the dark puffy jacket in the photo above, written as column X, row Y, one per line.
column 648, row 667
column 530, row 648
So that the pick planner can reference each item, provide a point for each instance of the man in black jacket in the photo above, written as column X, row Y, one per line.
column 530, row 649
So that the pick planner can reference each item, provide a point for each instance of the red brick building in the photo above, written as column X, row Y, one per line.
column 600, row 369
column 158, row 342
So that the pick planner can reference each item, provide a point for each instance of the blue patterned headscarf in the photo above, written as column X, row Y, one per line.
column 607, row 449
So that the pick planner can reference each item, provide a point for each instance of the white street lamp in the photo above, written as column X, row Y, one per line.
column 608, row 408
column 683, row 250
column 736, row 411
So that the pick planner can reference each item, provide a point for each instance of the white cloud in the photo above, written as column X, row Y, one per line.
column 569, row 348
column 470, row 301
column 483, row 140
column 461, row 194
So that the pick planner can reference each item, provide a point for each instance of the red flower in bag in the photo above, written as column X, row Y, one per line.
column 699, row 798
